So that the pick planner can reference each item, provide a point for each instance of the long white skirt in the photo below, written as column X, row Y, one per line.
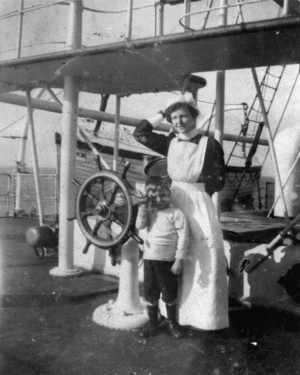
column 202, row 295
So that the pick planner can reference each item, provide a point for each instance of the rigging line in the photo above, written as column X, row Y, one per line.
column 257, row 111
column 208, row 118
column 32, row 45
column 116, row 11
column 209, row 5
column 22, row 117
column 110, row 139
column 283, row 112
column 11, row 136
column 26, row 10
column 226, row 104
column 240, row 12
column 14, row 122
column 212, row 103
column 125, row 145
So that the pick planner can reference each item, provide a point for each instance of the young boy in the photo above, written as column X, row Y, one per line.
column 164, row 249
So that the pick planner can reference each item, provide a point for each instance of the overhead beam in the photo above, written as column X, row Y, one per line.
column 44, row 105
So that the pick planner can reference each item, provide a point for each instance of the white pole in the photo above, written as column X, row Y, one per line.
column 161, row 19
column 220, row 87
column 117, row 133
column 220, row 95
column 286, row 8
column 35, row 159
column 271, row 144
column 187, row 5
column 68, row 152
column 21, row 157
column 220, row 103
column 20, row 29
column 23, row 140
column 67, row 170
column 285, row 183
column 75, row 25
column 129, row 19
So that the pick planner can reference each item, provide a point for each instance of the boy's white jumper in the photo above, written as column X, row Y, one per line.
column 167, row 233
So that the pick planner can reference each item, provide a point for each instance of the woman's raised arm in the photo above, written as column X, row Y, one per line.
column 144, row 134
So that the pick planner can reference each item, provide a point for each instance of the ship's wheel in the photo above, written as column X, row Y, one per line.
column 104, row 209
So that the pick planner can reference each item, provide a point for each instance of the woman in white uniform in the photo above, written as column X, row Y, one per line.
column 196, row 167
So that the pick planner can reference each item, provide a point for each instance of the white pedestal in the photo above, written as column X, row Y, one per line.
column 128, row 311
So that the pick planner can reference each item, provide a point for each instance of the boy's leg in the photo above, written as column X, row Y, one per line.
column 151, row 293
column 168, row 284
column 173, row 326
column 151, row 329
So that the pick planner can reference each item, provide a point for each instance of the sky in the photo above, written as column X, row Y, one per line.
column 45, row 30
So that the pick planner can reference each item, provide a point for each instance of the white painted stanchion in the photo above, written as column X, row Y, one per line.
column 67, row 191
column 220, row 99
column 127, row 312
column 35, row 159
column 68, row 151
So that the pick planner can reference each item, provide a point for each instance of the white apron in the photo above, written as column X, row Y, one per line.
column 202, row 295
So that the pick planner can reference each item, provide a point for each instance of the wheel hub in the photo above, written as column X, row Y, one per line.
column 103, row 210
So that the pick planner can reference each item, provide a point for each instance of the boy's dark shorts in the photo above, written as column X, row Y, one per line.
column 158, row 279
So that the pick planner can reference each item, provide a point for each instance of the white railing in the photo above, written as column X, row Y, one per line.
column 207, row 11
column 6, row 204
column 26, row 204
column 22, row 11
column 158, row 17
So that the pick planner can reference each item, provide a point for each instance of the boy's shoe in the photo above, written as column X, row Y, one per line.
column 174, row 330
column 149, row 330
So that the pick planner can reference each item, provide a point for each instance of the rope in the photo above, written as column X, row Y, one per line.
column 32, row 45
column 116, row 11
column 20, row 118
column 26, row 10
column 14, row 122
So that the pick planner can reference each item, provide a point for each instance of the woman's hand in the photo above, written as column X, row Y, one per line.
column 177, row 267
